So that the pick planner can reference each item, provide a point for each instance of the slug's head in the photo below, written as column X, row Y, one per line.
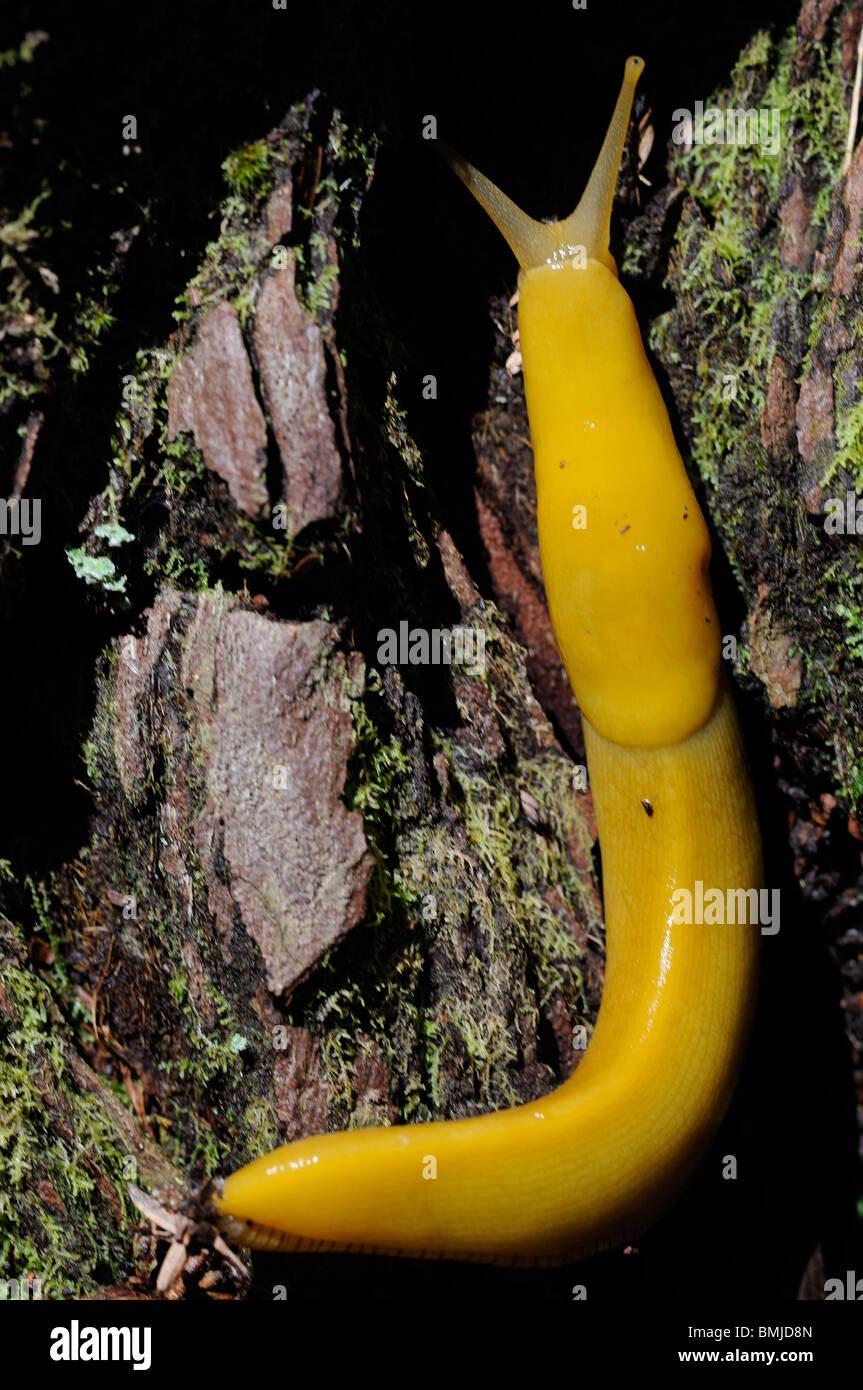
column 588, row 227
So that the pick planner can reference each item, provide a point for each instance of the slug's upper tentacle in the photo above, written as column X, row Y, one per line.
column 531, row 242
column 589, row 226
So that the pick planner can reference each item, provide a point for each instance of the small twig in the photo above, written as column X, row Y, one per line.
column 25, row 458
column 163, row 1221
column 319, row 158
column 227, row 1253
column 99, row 985
column 855, row 105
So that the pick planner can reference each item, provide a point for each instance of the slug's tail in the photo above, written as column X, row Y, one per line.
column 589, row 226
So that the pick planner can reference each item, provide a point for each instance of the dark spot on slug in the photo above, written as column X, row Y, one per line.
column 624, row 531
column 647, row 806
column 563, row 463
column 685, row 515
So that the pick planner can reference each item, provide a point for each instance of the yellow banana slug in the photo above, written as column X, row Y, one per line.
column 625, row 552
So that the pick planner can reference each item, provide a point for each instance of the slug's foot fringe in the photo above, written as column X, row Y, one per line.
column 251, row 1235
column 195, row 1232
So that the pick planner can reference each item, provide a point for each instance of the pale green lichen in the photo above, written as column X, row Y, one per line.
column 113, row 532
column 97, row 569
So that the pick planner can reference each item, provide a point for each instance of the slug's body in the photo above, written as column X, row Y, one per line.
column 625, row 553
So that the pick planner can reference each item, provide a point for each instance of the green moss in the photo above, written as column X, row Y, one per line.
column 267, row 552
column 212, row 1040
column 92, row 320
column 319, row 294
column 377, row 765
column 714, row 251
column 260, row 1121
column 737, row 307
column 230, row 266
column 853, row 616
column 524, row 862
column 248, row 169
column 64, row 1247
column 847, row 457
column 29, row 340
column 26, row 50
column 489, row 879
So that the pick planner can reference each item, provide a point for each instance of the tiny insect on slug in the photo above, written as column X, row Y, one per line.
column 604, row 1155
